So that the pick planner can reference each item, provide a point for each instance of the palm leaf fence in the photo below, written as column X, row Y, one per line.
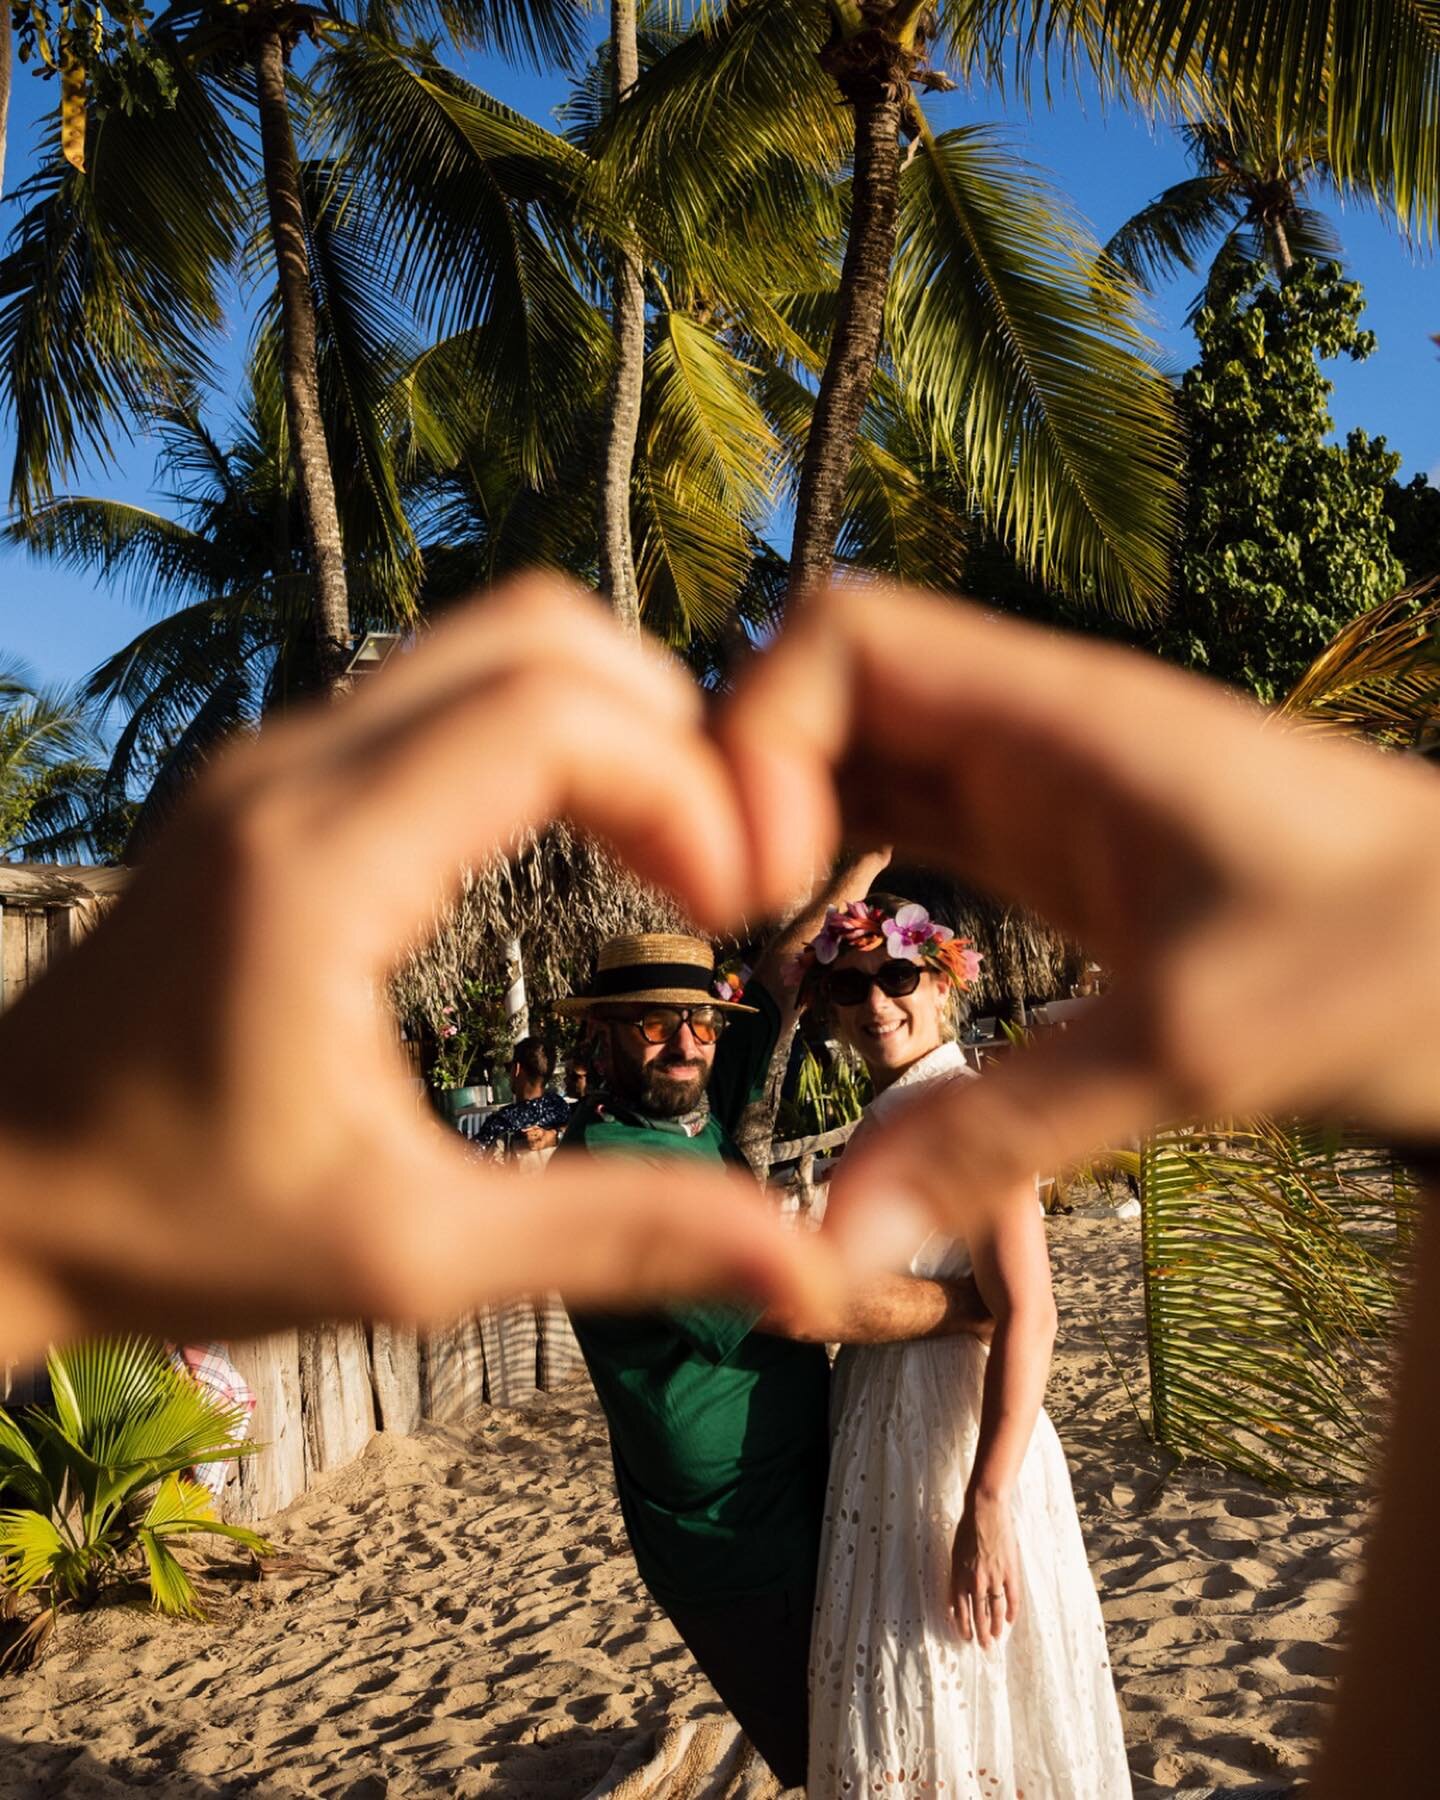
column 1275, row 1261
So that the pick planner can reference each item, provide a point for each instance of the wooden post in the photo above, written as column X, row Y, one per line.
column 336, row 1403
column 452, row 1370
column 395, row 1377
column 274, row 1475
column 509, row 1338
column 559, row 1360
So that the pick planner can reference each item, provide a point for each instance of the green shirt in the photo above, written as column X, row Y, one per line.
column 718, row 1431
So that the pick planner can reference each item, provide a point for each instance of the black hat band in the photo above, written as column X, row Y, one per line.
column 634, row 977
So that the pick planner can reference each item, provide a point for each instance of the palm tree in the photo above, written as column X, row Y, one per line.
column 1360, row 77
column 51, row 766
column 231, row 574
column 113, row 286
column 617, row 552
column 1250, row 191
column 963, row 278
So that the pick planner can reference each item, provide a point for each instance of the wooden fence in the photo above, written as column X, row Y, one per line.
column 322, row 1392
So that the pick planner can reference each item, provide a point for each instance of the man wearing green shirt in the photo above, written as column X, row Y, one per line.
column 718, row 1415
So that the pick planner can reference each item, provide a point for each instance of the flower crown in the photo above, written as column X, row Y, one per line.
column 909, row 934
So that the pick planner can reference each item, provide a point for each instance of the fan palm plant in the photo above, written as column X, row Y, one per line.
column 93, row 1485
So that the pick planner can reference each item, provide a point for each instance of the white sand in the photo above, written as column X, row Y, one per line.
column 484, row 1631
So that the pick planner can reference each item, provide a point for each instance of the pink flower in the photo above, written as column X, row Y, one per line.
column 909, row 933
column 451, row 1031
column 854, row 926
column 447, row 1010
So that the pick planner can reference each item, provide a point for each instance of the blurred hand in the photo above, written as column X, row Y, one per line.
column 1266, row 901
column 205, row 1123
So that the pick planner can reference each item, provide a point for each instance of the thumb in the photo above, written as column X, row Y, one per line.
column 966, row 1148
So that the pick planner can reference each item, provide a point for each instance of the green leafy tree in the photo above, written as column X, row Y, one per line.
column 1285, row 535
column 1414, row 513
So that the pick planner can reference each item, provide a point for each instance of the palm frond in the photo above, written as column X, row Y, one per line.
column 110, row 287
column 1363, row 75
column 739, row 95
column 1032, row 369
column 1173, row 231
column 1380, row 678
column 541, row 32
column 487, row 198
column 150, row 556
column 1273, row 1271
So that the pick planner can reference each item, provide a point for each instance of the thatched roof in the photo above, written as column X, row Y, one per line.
column 59, row 884
column 560, row 893
column 1022, row 957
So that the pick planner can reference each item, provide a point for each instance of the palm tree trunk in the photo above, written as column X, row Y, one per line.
column 878, row 97
column 617, row 552
column 6, row 63
column 1280, row 251
column 300, row 365
column 873, row 73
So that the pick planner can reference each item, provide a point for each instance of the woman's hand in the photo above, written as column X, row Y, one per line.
column 985, row 1571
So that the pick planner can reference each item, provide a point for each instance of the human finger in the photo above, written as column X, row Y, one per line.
column 980, row 1605
column 783, row 731
column 539, row 617
column 969, row 1145
column 387, row 829
column 1108, row 791
column 601, row 1233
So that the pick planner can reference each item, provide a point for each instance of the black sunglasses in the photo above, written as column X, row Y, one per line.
column 851, row 987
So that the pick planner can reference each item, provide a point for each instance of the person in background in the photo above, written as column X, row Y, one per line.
column 577, row 1078
column 535, row 1118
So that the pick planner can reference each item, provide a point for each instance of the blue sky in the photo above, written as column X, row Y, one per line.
column 1108, row 163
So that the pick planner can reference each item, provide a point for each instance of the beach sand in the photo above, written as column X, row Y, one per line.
column 483, row 1631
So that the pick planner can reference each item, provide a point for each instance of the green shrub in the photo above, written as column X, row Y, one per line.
column 92, row 1488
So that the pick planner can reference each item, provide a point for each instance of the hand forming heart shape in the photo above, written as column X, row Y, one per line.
column 249, row 1151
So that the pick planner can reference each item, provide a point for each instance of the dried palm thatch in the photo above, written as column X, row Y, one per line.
column 1023, row 958
column 560, row 893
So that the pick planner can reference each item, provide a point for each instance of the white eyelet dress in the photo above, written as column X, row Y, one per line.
column 900, row 1704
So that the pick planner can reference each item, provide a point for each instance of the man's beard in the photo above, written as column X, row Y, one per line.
column 662, row 1095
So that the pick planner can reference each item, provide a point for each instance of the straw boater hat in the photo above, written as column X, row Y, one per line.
column 653, row 967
